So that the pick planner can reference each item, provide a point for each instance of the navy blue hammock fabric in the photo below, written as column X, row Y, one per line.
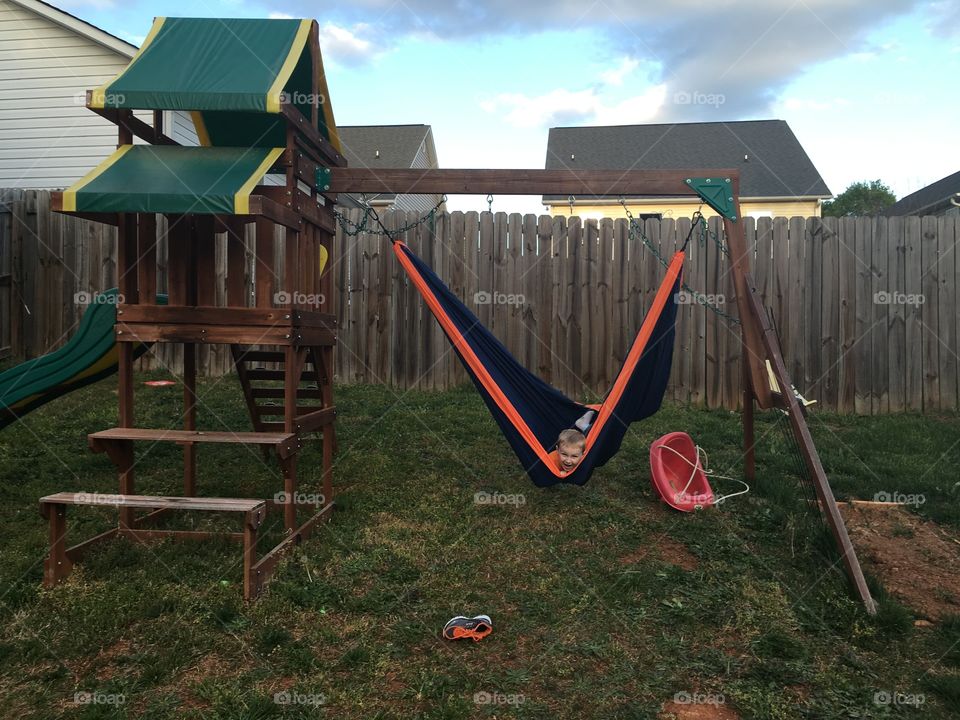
column 530, row 412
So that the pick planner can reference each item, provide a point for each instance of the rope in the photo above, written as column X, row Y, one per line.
column 709, row 473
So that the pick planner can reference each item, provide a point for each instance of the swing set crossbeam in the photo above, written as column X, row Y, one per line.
column 581, row 183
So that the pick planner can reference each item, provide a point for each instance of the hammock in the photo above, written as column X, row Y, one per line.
column 530, row 412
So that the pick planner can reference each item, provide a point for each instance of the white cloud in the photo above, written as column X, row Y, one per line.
column 565, row 107
column 345, row 45
column 615, row 76
column 280, row 16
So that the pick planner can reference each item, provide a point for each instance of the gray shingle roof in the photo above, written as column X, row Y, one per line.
column 397, row 146
column 777, row 164
column 930, row 200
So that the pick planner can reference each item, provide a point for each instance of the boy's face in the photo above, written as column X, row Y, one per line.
column 569, row 456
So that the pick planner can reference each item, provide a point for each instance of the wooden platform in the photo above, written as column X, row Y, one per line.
column 286, row 444
column 60, row 560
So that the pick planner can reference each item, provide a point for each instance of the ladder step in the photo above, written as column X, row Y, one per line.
column 278, row 392
column 263, row 374
column 281, row 410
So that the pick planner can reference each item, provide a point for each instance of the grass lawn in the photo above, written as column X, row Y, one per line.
column 605, row 604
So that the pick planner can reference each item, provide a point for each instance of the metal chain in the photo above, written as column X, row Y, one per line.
column 353, row 229
column 636, row 232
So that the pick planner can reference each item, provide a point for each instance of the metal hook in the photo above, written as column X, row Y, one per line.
column 489, row 202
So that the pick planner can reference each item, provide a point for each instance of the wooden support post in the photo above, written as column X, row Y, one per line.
column 740, row 264
column 264, row 272
column 291, row 266
column 189, row 418
column 251, row 522
column 57, row 564
column 178, row 257
column 236, row 264
column 827, row 502
column 203, row 247
column 147, row 258
column 127, row 275
column 124, row 130
column 749, row 454
column 289, row 468
column 123, row 459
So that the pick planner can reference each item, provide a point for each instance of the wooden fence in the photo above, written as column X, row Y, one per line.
column 867, row 308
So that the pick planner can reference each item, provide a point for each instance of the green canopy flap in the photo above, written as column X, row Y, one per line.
column 172, row 179
column 232, row 74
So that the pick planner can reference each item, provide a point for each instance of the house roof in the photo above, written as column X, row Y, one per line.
column 772, row 162
column 384, row 146
column 81, row 27
column 928, row 200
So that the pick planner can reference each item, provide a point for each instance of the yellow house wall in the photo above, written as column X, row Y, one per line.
column 685, row 208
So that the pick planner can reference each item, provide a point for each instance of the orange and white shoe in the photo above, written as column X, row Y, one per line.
column 462, row 627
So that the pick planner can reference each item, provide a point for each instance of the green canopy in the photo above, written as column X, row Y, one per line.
column 172, row 179
column 233, row 74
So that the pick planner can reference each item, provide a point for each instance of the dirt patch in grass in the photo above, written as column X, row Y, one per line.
column 696, row 711
column 108, row 659
column 663, row 548
column 917, row 561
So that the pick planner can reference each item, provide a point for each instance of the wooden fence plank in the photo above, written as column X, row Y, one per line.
column 930, row 314
column 912, row 330
column 895, row 316
column 459, row 275
column 591, row 350
column 800, row 261
column 828, row 375
column 848, row 339
column 946, row 274
column 880, row 366
column 695, row 277
column 810, row 380
column 864, row 316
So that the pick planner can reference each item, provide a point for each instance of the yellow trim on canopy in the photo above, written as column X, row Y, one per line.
column 98, row 97
column 241, row 200
column 203, row 136
column 296, row 49
column 70, row 194
column 324, row 256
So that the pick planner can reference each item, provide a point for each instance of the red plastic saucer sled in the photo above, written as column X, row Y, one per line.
column 677, row 474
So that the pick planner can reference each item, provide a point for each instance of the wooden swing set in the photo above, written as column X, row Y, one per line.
column 224, row 193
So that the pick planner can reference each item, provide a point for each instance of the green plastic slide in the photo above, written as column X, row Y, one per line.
column 90, row 355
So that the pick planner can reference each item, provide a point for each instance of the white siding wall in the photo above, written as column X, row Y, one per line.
column 179, row 126
column 418, row 203
column 48, row 138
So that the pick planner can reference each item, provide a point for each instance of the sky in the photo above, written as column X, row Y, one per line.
column 865, row 86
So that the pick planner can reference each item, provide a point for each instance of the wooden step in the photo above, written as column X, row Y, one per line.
column 286, row 444
column 262, row 374
column 156, row 502
column 309, row 392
